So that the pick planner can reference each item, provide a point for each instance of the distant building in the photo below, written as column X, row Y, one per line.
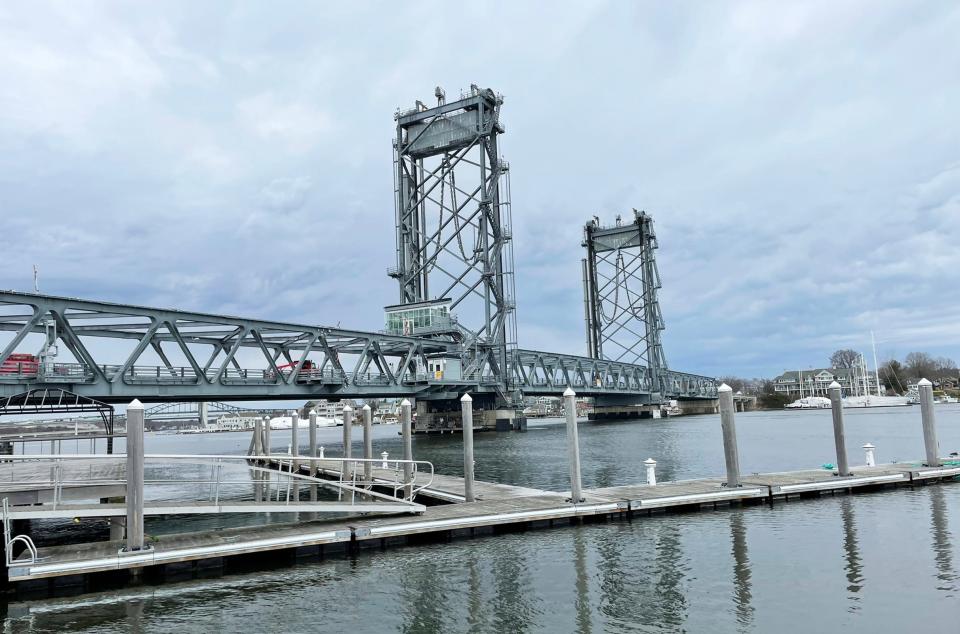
column 816, row 382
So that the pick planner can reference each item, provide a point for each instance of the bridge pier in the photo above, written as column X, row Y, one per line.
column 624, row 412
column 490, row 413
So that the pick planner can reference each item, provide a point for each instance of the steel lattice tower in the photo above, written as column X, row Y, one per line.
column 620, row 282
column 453, row 223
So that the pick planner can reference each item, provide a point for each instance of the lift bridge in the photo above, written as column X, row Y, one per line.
column 453, row 329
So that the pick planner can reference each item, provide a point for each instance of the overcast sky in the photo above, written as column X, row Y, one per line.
column 801, row 160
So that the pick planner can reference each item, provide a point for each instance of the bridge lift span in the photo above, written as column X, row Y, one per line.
column 454, row 257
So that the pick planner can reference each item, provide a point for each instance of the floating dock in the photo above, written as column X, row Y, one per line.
column 498, row 508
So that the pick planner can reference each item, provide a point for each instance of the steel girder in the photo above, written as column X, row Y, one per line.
column 197, row 353
column 453, row 222
column 282, row 360
column 549, row 373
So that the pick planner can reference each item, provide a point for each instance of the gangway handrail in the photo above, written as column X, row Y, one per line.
column 58, row 481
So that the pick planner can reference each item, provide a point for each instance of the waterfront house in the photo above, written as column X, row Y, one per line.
column 816, row 381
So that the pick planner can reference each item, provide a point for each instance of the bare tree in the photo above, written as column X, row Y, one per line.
column 920, row 365
column 844, row 359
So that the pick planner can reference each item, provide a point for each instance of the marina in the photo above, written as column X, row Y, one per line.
column 379, row 502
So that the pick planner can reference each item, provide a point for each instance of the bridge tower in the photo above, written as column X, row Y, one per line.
column 620, row 283
column 453, row 229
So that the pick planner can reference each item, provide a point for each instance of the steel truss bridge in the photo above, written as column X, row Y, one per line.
column 453, row 253
column 205, row 357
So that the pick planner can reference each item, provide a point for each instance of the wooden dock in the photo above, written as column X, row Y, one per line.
column 500, row 507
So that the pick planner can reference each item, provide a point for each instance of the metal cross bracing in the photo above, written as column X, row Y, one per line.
column 453, row 223
column 620, row 282
column 115, row 353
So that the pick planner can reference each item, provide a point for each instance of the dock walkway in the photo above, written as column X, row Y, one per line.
column 503, row 507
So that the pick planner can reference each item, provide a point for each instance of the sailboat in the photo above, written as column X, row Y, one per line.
column 866, row 399
column 807, row 402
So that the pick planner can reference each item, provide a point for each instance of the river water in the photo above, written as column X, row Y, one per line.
column 877, row 562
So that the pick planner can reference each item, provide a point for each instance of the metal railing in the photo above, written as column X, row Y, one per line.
column 217, row 484
column 386, row 474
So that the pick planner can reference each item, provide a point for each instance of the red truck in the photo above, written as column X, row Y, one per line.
column 19, row 363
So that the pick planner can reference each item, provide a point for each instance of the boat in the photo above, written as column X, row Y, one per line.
column 809, row 402
column 874, row 400
column 286, row 422
column 866, row 399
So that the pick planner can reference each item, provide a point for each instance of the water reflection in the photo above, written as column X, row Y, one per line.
column 742, row 586
column 425, row 598
column 475, row 615
column 515, row 605
column 671, row 604
column 942, row 548
column 851, row 554
column 584, row 626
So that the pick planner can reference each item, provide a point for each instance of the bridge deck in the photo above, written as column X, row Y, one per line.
column 504, row 507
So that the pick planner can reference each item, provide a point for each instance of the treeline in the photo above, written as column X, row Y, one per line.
column 895, row 374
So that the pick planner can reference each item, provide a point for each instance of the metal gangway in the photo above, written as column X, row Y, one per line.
column 66, row 486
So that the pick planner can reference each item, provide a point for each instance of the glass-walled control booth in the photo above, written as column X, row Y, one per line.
column 411, row 319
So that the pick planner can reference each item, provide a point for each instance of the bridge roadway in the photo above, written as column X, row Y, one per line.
column 204, row 357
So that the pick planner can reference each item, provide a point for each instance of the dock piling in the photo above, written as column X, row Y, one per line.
column 313, row 441
column 346, row 471
column 729, row 427
column 258, row 437
column 651, row 466
column 573, row 444
column 294, row 438
column 870, row 456
column 466, row 407
column 406, row 422
column 266, row 435
column 929, row 421
column 367, row 443
column 134, row 476
column 836, row 406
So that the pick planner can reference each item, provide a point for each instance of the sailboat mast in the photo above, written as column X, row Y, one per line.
column 800, row 381
column 876, row 366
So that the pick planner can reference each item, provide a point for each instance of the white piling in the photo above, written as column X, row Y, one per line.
column 313, row 441
column 839, row 440
column 728, row 425
column 346, row 470
column 266, row 435
column 383, row 457
column 651, row 466
column 406, row 424
column 929, row 421
column 320, row 452
column 294, row 439
column 466, row 408
column 573, row 444
column 134, row 476
column 258, row 437
column 367, row 443
column 870, row 456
